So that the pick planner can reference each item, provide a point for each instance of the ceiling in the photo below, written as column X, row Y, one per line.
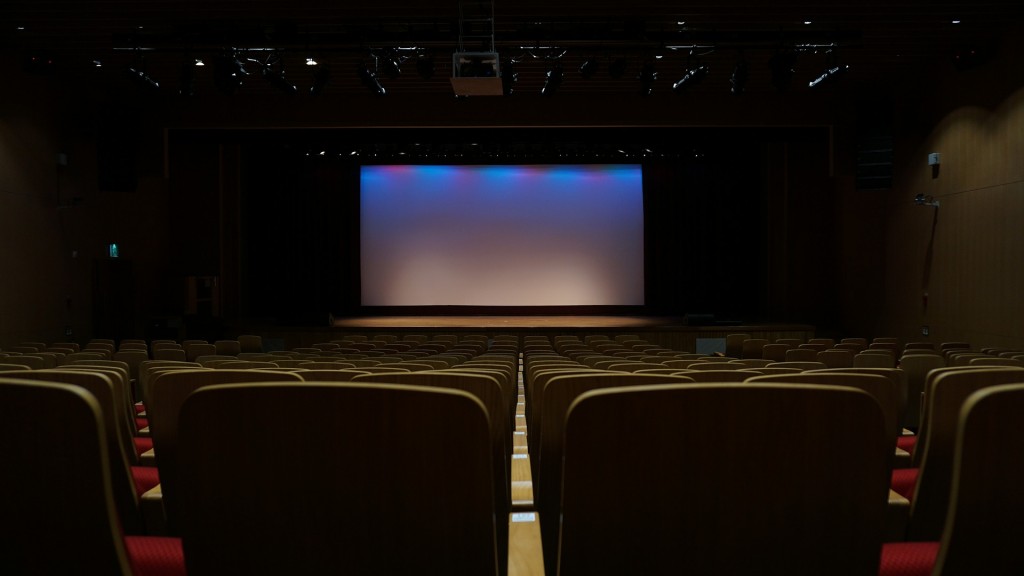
column 880, row 42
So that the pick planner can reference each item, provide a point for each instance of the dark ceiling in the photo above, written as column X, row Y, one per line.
column 881, row 42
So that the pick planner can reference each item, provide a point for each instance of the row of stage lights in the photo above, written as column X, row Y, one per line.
column 234, row 67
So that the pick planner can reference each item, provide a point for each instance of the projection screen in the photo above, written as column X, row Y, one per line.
column 490, row 235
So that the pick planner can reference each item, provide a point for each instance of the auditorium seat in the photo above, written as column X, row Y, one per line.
column 752, row 348
column 177, row 354
column 388, row 500
column 836, row 358
column 802, row 354
column 547, row 433
column 227, row 347
column 917, row 367
column 167, row 390
column 56, row 491
column 946, row 391
column 488, row 390
column 775, row 351
column 810, row 503
column 981, row 533
column 127, row 483
column 877, row 358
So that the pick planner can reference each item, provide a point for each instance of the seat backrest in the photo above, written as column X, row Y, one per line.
column 485, row 388
column 250, row 342
column 917, row 367
column 559, row 391
column 946, row 392
column 753, row 347
column 56, row 499
column 868, row 359
column 177, row 354
column 102, row 388
column 836, row 358
column 194, row 350
column 808, row 502
column 802, row 355
column 315, row 480
column 986, row 513
column 775, row 351
column 897, row 377
column 228, row 347
column 880, row 387
column 167, row 390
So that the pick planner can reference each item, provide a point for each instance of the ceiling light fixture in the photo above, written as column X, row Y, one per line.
column 588, row 68
column 832, row 70
column 553, row 79
column 369, row 79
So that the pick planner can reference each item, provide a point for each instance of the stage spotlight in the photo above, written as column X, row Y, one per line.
column 691, row 78
column 228, row 73
column 509, row 75
column 321, row 75
column 369, row 79
column 828, row 75
column 740, row 75
column 553, row 80
column 589, row 68
column 142, row 79
column 647, row 76
column 389, row 62
column 783, row 66
column 277, row 80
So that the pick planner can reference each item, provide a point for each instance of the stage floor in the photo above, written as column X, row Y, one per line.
column 517, row 322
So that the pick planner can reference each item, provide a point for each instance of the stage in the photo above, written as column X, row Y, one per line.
column 502, row 322
column 668, row 331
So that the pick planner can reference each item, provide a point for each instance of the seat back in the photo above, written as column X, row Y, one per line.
column 986, row 512
column 56, row 502
column 322, row 478
column 946, row 392
column 645, row 491
column 917, row 367
column 880, row 387
column 167, row 390
column 559, row 392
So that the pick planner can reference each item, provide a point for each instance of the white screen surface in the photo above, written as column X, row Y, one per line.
column 532, row 235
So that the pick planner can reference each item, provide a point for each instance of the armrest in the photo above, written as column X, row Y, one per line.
column 148, row 458
column 896, row 517
column 902, row 459
column 153, row 516
column 525, row 557
column 522, row 483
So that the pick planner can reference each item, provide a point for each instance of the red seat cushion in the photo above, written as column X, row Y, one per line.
column 155, row 555
column 906, row 443
column 903, row 482
column 139, row 407
column 142, row 444
column 145, row 477
column 908, row 558
column 141, row 423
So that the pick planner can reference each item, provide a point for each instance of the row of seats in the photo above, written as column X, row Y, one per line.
column 554, row 385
